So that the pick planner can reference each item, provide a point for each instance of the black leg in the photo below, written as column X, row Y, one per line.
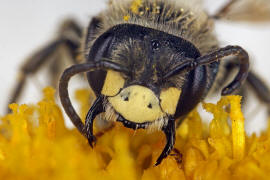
column 67, row 52
column 243, row 63
column 16, row 91
column 260, row 88
column 169, row 131
column 38, row 59
column 96, row 109
column 69, row 28
column 228, row 70
column 92, row 30
column 31, row 66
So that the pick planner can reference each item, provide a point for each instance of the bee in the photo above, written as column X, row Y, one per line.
column 150, row 63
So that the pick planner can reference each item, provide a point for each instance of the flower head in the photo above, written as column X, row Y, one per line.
column 35, row 144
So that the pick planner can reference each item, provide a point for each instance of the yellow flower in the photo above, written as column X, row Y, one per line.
column 35, row 144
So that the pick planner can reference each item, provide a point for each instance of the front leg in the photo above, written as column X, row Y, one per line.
column 66, row 44
column 96, row 109
column 169, row 131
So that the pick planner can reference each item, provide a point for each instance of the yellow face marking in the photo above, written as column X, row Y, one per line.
column 113, row 83
column 169, row 99
column 137, row 104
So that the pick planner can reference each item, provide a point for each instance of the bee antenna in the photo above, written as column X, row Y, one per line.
column 240, row 53
column 73, row 70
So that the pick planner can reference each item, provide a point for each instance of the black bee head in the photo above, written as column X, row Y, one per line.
column 148, row 55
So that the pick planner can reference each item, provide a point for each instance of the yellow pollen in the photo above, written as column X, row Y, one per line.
column 126, row 18
column 135, row 5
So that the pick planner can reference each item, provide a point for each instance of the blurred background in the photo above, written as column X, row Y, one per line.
column 27, row 25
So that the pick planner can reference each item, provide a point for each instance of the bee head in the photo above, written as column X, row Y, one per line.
column 142, row 94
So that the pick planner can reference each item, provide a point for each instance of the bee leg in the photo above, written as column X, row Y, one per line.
column 93, row 28
column 224, row 76
column 31, row 66
column 241, row 57
column 95, row 109
column 169, row 131
column 260, row 88
column 68, row 38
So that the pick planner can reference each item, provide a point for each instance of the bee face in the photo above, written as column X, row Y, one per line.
column 148, row 55
column 139, row 100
